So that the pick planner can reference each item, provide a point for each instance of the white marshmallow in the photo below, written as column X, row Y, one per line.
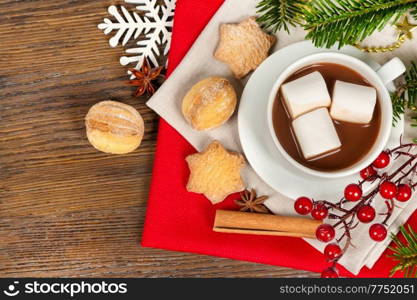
column 305, row 94
column 353, row 103
column 315, row 133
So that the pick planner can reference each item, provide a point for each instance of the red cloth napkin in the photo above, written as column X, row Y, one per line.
column 182, row 221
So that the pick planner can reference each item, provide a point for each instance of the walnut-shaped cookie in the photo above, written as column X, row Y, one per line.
column 209, row 103
column 114, row 127
column 243, row 46
column 215, row 172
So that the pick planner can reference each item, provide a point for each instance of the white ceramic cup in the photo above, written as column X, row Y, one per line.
column 380, row 77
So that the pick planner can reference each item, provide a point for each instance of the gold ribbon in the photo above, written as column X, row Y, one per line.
column 405, row 32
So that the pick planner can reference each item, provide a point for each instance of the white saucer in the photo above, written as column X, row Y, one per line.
column 255, row 138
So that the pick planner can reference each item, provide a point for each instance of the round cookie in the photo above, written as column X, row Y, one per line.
column 114, row 127
column 209, row 103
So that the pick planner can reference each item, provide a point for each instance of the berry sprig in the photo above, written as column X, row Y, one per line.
column 396, row 186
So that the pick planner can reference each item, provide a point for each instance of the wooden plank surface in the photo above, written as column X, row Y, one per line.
column 66, row 209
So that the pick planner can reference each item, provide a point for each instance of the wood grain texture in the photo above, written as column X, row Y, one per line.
column 67, row 210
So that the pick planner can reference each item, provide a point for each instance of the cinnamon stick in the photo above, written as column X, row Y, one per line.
column 264, row 224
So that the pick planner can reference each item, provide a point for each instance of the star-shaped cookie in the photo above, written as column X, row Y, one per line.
column 215, row 172
column 243, row 46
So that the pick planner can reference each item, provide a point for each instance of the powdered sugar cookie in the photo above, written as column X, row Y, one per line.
column 209, row 103
column 243, row 46
column 215, row 172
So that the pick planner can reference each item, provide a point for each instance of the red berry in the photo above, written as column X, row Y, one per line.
column 319, row 211
column 366, row 214
column 388, row 190
column 378, row 232
column 332, row 251
column 404, row 193
column 382, row 161
column 329, row 273
column 368, row 172
column 303, row 205
column 353, row 192
column 325, row 233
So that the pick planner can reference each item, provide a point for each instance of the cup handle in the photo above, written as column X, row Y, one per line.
column 390, row 71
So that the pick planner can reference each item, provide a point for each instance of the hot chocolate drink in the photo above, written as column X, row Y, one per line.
column 346, row 111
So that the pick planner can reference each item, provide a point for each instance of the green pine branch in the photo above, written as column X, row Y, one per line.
column 346, row 22
column 405, row 253
column 406, row 96
column 330, row 22
column 411, row 86
column 280, row 14
column 413, row 13
column 398, row 108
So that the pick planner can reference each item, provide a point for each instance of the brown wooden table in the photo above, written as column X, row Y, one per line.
column 65, row 209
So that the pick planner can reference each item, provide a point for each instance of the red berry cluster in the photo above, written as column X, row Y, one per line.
column 389, row 187
column 305, row 206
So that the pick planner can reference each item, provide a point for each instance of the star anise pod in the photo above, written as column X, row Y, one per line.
column 144, row 78
column 251, row 202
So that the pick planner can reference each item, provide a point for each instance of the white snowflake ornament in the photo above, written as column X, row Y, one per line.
column 155, row 24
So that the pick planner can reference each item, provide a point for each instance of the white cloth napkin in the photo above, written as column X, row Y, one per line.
column 198, row 64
